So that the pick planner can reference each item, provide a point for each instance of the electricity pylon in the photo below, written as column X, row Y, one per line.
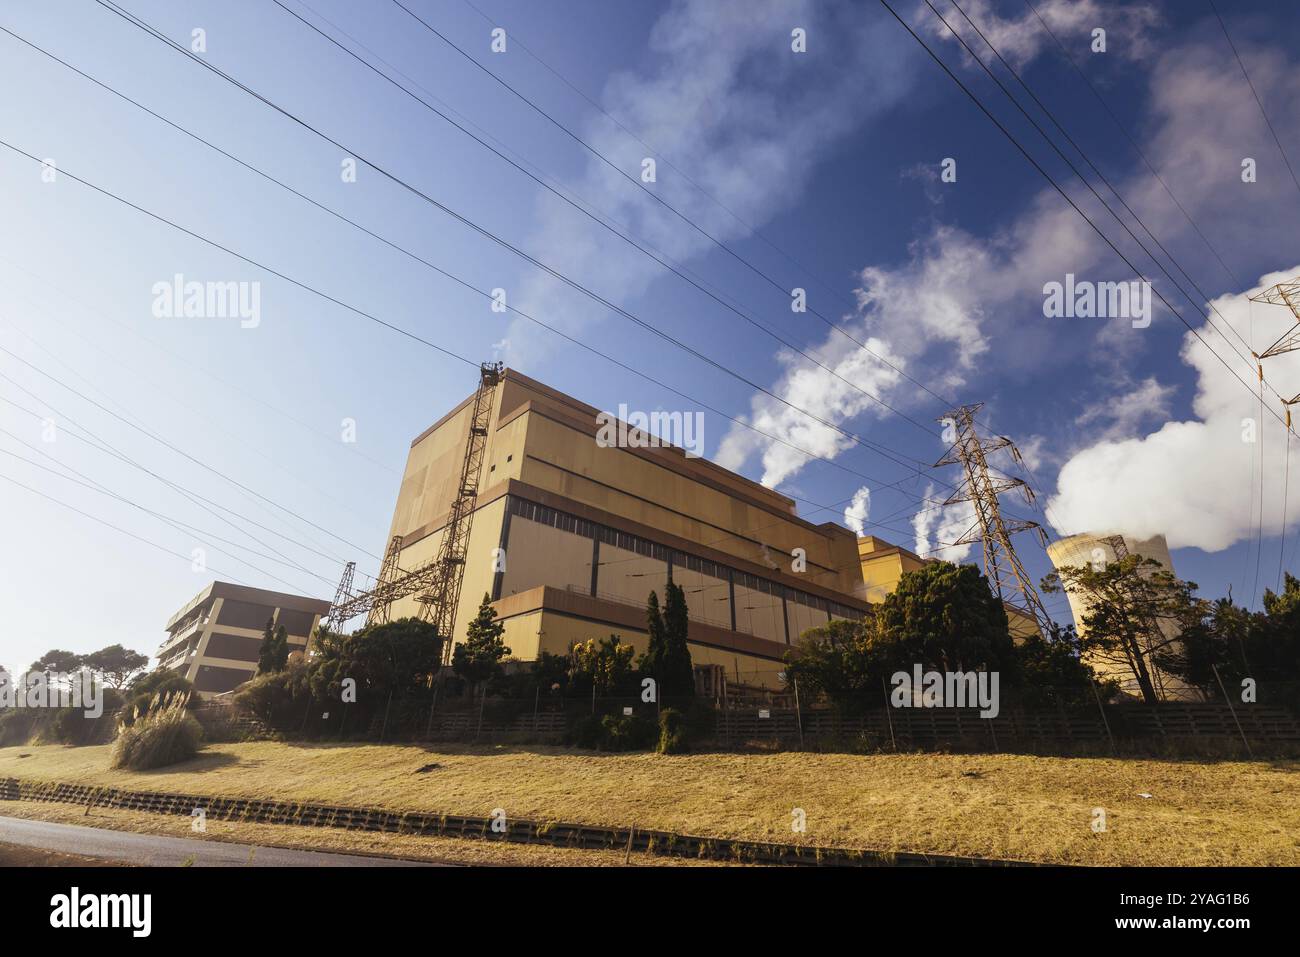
column 442, row 595
column 1002, row 567
column 1283, row 294
column 387, row 574
column 436, row 583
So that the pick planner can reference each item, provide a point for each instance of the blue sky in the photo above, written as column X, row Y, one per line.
column 818, row 170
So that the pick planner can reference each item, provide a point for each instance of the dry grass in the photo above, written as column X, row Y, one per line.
column 1005, row 806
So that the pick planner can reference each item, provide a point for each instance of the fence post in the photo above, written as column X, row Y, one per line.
column 384, row 727
column 1105, row 723
column 537, row 698
column 798, row 712
column 1232, row 710
column 888, row 717
column 481, row 702
column 433, row 709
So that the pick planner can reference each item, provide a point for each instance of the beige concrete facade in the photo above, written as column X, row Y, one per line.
column 883, row 564
column 570, row 537
column 214, row 640
column 1093, row 548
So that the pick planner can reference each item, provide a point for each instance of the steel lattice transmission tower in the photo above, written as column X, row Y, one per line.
column 442, row 595
column 1283, row 294
column 342, row 595
column 388, row 573
column 436, row 584
column 1002, row 567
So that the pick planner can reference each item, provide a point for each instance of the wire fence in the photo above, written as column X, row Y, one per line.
column 1065, row 720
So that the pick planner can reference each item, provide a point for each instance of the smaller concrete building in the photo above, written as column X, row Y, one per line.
column 214, row 640
column 883, row 565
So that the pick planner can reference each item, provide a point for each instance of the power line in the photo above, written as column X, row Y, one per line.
column 1258, row 102
column 491, row 236
column 1069, row 57
column 1046, row 175
column 175, row 523
column 1079, row 149
column 115, row 528
column 206, row 504
column 947, row 402
column 625, row 175
column 857, row 439
column 262, row 454
column 644, row 249
column 181, row 452
column 241, row 390
column 1074, row 169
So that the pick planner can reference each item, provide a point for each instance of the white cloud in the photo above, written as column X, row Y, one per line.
column 937, row 528
column 855, row 516
column 1019, row 39
column 1122, row 415
column 941, row 311
column 1191, row 481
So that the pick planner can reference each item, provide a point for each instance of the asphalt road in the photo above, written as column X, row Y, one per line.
column 150, row 850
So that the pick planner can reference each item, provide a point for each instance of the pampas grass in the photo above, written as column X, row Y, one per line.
column 165, row 734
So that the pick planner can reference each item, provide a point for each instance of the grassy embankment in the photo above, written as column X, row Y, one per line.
column 1005, row 806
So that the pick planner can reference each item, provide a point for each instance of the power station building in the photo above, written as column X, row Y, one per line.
column 214, row 640
column 570, row 535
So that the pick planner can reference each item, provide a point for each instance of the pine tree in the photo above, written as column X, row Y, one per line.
column 273, row 656
column 678, row 676
column 667, row 658
column 651, row 663
column 478, row 657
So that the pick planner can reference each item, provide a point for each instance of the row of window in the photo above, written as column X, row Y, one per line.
column 629, row 567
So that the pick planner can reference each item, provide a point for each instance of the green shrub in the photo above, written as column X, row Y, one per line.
column 58, row 725
column 585, row 733
column 626, row 732
column 672, row 732
column 611, row 733
column 72, row 726
column 276, row 699
column 167, row 734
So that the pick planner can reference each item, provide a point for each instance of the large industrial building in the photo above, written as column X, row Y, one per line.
column 214, row 640
column 570, row 536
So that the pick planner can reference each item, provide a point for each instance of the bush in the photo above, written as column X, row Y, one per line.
column 71, row 726
column 276, row 699
column 611, row 733
column 167, row 734
column 672, row 732
column 585, row 733
column 626, row 733
column 57, row 725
